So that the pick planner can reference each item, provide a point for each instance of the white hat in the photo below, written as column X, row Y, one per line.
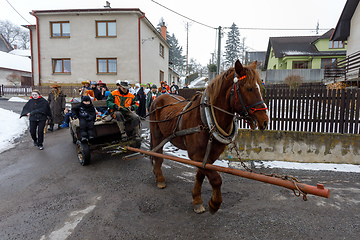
column 137, row 84
column 124, row 84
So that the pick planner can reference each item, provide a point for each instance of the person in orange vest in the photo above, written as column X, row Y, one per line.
column 122, row 103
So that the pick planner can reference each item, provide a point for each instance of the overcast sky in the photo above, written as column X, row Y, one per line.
column 263, row 14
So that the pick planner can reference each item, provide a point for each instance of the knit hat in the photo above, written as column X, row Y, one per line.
column 86, row 98
column 154, row 86
column 107, row 93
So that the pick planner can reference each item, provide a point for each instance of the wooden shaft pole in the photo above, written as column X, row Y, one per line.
column 318, row 190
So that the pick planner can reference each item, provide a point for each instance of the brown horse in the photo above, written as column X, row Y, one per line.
column 209, row 118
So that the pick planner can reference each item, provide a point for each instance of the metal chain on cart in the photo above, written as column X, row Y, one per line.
column 298, row 192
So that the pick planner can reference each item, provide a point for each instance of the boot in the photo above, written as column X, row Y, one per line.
column 122, row 131
column 91, row 135
column 51, row 127
column 137, row 133
column 83, row 137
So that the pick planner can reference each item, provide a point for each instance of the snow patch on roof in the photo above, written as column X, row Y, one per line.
column 15, row 62
column 291, row 52
column 21, row 52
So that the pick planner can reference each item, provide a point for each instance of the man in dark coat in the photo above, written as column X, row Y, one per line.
column 57, row 103
column 141, row 98
column 97, row 92
column 38, row 110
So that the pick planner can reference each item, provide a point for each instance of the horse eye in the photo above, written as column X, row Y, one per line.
column 249, row 89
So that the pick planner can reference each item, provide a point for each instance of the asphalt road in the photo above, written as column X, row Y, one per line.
column 49, row 195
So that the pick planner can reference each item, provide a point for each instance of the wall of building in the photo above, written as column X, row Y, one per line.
column 353, row 39
column 297, row 147
column 4, row 73
column 308, row 75
column 152, row 63
column 83, row 48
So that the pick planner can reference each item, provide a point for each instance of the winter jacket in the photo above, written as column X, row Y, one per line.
column 123, row 100
column 39, row 109
column 84, row 111
column 57, row 105
column 150, row 98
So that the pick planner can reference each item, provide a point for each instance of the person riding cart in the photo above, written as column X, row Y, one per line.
column 122, row 103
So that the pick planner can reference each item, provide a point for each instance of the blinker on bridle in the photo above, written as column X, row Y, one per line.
column 236, row 90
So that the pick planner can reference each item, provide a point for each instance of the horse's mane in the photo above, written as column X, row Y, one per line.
column 214, row 88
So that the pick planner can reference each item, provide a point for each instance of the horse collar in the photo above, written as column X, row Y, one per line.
column 207, row 119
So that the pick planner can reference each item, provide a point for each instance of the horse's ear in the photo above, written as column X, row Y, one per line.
column 239, row 69
column 253, row 65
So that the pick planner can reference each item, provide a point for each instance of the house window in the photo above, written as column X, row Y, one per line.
column 161, row 76
column 336, row 44
column 161, row 50
column 325, row 62
column 106, row 65
column 60, row 29
column 106, row 28
column 300, row 64
column 62, row 65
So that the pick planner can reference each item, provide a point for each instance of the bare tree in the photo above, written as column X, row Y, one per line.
column 14, row 34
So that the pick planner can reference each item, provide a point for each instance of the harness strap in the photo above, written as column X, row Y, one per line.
column 177, row 134
column 207, row 153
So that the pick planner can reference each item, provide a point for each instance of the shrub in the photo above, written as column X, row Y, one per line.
column 293, row 81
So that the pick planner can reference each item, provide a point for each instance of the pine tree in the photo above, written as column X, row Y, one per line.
column 233, row 46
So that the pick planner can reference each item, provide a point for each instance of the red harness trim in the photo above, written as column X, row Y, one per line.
column 243, row 77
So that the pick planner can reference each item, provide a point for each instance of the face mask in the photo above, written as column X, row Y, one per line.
column 35, row 95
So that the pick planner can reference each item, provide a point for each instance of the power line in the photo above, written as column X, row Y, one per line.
column 183, row 15
column 17, row 11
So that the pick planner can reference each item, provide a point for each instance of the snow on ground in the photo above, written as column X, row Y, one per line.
column 12, row 127
column 17, row 99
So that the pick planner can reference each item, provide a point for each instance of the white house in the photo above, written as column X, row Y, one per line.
column 74, row 45
column 348, row 27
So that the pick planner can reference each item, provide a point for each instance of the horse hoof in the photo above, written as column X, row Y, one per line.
column 212, row 211
column 161, row 185
column 198, row 208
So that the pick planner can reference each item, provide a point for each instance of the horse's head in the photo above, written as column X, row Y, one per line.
column 245, row 96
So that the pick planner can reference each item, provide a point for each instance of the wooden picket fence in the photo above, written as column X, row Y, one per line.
column 313, row 110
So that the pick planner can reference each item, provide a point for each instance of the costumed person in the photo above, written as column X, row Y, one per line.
column 90, row 93
column 103, row 88
column 85, row 87
column 122, row 103
column 85, row 112
column 57, row 103
column 68, row 114
column 163, row 89
column 151, row 96
column 174, row 89
column 137, row 88
column 97, row 92
column 141, row 98
column 38, row 110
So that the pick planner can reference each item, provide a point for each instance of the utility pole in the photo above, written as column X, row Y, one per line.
column 219, row 51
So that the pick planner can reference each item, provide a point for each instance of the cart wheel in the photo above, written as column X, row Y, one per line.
column 73, row 135
column 83, row 153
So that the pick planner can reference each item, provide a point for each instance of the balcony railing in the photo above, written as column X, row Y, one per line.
column 344, row 70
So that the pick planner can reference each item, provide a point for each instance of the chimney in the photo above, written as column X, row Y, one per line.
column 107, row 5
column 163, row 30
column 15, row 46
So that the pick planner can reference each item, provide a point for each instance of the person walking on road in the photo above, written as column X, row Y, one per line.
column 38, row 110
column 57, row 103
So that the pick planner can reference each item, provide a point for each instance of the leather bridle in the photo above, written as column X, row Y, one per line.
column 235, row 93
